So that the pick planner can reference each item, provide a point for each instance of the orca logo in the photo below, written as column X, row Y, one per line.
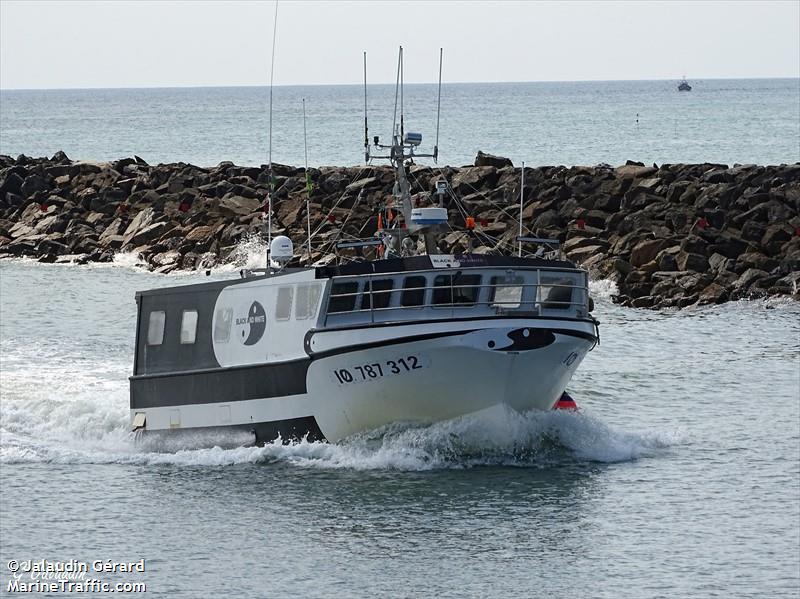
column 253, row 325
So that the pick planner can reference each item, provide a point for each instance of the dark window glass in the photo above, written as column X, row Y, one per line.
column 413, row 291
column 381, row 293
column 443, row 290
column 466, row 289
column 341, row 300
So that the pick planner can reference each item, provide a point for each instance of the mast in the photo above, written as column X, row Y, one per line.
column 521, row 200
column 269, row 166
column 396, row 94
column 366, row 128
column 401, row 149
column 309, row 186
column 398, row 152
column 438, row 110
column 402, row 130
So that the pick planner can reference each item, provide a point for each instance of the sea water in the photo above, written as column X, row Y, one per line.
column 720, row 120
column 680, row 477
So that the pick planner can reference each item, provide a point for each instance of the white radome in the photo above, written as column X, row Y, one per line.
column 281, row 250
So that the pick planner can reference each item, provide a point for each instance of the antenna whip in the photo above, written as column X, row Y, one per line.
column 438, row 111
column 269, row 166
column 521, row 201
column 366, row 128
column 396, row 92
column 309, row 185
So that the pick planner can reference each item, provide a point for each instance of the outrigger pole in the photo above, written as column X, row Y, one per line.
column 309, row 185
column 396, row 93
column 438, row 110
column 269, row 166
column 402, row 126
column 366, row 128
column 521, row 199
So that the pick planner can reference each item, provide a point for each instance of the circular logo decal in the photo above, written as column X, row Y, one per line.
column 252, row 327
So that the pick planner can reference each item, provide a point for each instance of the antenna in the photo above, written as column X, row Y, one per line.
column 438, row 110
column 402, row 133
column 366, row 128
column 309, row 186
column 269, row 167
column 396, row 92
column 521, row 198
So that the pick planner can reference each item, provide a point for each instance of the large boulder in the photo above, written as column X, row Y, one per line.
column 691, row 261
column 238, row 205
column 32, row 184
column 645, row 251
column 471, row 179
column 483, row 159
column 141, row 221
column 747, row 279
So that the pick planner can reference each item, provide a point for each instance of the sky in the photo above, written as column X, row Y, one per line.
column 67, row 44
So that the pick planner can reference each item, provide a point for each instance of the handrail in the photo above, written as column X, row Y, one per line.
column 456, row 286
column 452, row 269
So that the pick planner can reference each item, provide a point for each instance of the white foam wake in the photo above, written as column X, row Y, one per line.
column 77, row 432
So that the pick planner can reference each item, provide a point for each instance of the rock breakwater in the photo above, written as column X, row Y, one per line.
column 669, row 235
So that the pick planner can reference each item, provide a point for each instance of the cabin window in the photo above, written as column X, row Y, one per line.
column 307, row 301
column 443, row 290
column 222, row 325
column 283, row 306
column 555, row 293
column 343, row 297
column 466, row 289
column 413, row 291
column 188, row 327
column 506, row 292
column 155, row 327
column 381, row 293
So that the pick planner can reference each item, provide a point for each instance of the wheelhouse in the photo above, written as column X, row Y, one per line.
column 470, row 292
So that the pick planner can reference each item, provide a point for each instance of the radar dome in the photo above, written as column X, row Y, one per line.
column 281, row 250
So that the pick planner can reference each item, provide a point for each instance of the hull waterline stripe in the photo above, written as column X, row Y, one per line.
column 411, row 339
column 293, row 429
column 220, row 385
column 400, row 323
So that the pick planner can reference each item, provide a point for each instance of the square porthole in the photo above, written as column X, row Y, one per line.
column 188, row 327
column 222, row 325
column 155, row 327
column 283, row 306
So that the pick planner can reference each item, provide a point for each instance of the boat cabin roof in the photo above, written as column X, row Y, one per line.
column 390, row 265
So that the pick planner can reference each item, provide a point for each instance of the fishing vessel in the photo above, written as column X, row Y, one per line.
column 683, row 86
column 407, row 333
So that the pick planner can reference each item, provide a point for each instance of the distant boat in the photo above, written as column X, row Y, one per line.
column 684, row 86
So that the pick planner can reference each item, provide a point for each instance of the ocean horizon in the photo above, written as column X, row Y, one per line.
column 677, row 477
column 580, row 122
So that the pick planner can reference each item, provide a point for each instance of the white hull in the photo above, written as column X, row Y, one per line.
column 426, row 380
column 456, row 376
